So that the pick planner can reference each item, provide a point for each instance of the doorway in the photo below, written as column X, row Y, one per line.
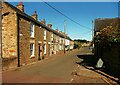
column 39, row 51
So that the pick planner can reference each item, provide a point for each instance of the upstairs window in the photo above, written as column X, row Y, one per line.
column 44, row 32
column 32, row 30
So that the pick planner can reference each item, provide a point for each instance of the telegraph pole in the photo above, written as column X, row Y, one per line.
column 64, row 34
column 92, row 31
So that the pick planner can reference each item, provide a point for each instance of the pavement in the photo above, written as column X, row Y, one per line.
column 88, row 74
column 84, row 75
column 60, row 68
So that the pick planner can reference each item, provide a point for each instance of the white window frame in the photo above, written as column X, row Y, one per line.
column 45, row 34
column 32, row 31
column 44, row 48
column 33, row 50
column 40, row 26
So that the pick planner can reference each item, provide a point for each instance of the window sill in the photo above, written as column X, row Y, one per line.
column 32, row 56
column 32, row 37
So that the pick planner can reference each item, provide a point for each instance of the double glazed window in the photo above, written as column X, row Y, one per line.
column 32, row 30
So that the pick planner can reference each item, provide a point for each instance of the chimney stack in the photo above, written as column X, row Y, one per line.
column 35, row 15
column 43, row 21
column 50, row 26
column 20, row 6
column 57, row 30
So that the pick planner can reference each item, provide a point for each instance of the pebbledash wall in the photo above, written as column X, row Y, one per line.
column 25, row 39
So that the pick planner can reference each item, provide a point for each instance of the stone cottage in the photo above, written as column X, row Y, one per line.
column 25, row 39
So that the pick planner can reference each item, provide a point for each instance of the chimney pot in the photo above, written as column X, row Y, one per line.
column 21, row 3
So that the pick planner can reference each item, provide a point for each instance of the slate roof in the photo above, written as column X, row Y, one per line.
column 101, row 23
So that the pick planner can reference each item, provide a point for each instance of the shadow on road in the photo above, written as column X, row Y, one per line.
column 88, row 60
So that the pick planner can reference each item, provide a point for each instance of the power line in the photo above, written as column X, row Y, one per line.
column 86, row 33
column 65, row 15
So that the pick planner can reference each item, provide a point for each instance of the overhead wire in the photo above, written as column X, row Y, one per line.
column 90, row 30
column 66, row 15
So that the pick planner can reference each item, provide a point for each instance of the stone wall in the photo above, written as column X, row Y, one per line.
column 24, row 41
column 9, row 36
column 40, row 40
column 111, row 58
column 16, row 39
column 48, row 36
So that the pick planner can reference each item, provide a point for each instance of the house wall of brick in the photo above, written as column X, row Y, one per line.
column 9, row 37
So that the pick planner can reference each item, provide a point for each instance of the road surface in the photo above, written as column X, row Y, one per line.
column 55, row 69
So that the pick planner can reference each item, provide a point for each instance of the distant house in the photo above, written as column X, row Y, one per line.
column 85, row 44
column 71, row 45
column 25, row 39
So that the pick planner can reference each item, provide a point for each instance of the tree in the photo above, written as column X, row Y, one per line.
column 108, row 35
column 77, row 44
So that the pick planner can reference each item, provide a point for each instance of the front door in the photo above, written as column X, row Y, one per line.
column 39, row 50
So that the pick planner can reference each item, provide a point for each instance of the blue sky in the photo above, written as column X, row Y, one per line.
column 81, row 12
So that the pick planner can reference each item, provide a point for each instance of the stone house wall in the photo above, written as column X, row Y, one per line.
column 48, row 42
column 16, row 38
column 9, row 37
column 24, row 41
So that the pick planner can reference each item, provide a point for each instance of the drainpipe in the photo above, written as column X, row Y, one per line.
column 18, row 41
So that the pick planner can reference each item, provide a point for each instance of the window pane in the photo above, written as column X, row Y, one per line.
column 32, row 30
column 31, row 49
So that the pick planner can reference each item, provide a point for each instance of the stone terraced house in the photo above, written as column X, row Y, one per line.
column 25, row 39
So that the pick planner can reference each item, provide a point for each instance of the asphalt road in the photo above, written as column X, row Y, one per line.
column 55, row 69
